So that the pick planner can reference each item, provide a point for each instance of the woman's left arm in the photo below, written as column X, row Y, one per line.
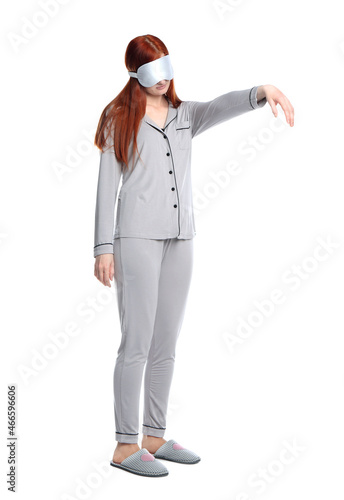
column 274, row 96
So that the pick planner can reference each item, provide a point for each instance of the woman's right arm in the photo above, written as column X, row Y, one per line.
column 204, row 115
column 108, row 181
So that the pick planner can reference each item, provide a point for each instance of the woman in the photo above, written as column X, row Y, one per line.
column 144, row 136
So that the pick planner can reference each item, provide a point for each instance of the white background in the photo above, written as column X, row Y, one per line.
column 237, row 408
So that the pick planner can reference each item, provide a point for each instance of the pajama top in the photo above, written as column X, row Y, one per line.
column 155, row 199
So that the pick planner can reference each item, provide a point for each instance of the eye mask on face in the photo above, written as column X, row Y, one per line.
column 153, row 72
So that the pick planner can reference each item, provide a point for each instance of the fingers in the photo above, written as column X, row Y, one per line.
column 287, row 108
column 273, row 107
column 112, row 270
column 274, row 96
column 289, row 112
column 105, row 279
column 285, row 104
column 104, row 269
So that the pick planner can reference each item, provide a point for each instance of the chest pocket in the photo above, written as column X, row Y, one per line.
column 183, row 132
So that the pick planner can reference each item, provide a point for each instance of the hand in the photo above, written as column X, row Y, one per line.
column 104, row 268
column 275, row 96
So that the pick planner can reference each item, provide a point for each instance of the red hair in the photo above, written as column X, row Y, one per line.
column 123, row 114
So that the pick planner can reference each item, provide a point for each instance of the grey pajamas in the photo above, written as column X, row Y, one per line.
column 152, row 243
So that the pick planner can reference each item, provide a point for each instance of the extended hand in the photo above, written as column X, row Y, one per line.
column 274, row 96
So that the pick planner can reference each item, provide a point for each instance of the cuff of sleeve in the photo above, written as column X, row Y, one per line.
column 103, row 248
column 253, row 98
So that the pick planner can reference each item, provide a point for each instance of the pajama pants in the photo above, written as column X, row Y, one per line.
column 152, row 280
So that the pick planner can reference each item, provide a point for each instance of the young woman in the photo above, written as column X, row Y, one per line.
column 144, row 137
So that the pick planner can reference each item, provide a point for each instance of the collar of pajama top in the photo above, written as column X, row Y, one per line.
column 155, row 199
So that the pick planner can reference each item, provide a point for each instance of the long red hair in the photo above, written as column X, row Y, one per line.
column 121, row 117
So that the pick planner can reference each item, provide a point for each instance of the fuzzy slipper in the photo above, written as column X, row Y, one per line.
column 174, row 452
column 142, row 463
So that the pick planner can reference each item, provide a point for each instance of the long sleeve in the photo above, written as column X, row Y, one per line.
column 204, row 115
column 108, row 181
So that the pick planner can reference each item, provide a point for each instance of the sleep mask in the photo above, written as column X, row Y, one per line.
column 154, row 71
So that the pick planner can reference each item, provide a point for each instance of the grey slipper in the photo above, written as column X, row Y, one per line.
column 174, row 452
column 142, row 463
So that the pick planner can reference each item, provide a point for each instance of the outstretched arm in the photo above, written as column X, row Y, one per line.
column 204, row 115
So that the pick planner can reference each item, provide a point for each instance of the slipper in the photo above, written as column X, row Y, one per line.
column 142, row 463
column 174, row 452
